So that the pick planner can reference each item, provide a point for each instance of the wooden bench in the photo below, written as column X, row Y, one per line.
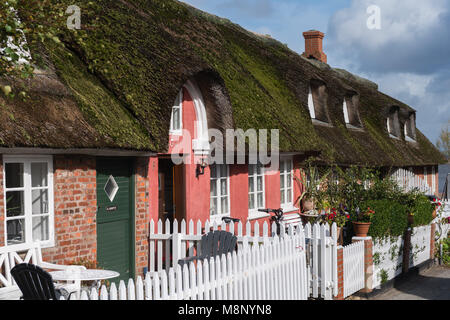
column 12, row 257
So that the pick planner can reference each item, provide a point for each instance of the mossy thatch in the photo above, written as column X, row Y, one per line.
column 125, row 67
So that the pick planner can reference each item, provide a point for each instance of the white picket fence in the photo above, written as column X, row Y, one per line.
column 171, row 242
column 420, row 245
column 354, row 275
column 388, row 259
column 444, row 227
column 275, row 270
column 409, row 181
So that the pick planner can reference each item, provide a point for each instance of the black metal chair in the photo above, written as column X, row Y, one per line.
column 214, row 243
column 36, row 283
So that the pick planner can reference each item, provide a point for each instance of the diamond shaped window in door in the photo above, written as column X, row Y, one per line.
column 111, row 188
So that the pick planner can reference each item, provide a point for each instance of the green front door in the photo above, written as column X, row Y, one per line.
column 115, row 216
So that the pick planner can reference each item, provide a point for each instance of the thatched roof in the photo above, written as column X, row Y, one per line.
column 115, row 81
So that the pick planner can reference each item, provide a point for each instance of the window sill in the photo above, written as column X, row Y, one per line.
column 354, row 128
column 321, row 123
column 257, row 215
column 290, row 209
column 217, row 219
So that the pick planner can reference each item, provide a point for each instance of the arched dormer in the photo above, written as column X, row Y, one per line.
column 190, row 97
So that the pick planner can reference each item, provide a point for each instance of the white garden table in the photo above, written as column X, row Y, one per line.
column 77, row 275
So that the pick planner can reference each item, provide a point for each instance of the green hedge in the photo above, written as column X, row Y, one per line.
column 423, row 211
column 390, row 218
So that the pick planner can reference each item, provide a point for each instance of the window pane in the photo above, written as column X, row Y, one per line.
column 289, row 195
column 260, row 184
column 39, row 173
column 40, row 228
column 251, row 184
column 223, row 187
column 223, row 171
column 251, row 201
column 289, row 180
column 14, row 204
column 15, row 230
column 283, row 200
column 282, row 181
column 213, row 188
column 213, row 171
column 281, row 166
column 14, row 175
column 251, row 169
column 39, row 201
column 260, row 200
column 176, row 118
column 213, row 204
column 224, row 205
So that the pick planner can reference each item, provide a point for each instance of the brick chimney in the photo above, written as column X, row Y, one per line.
column 313, row 45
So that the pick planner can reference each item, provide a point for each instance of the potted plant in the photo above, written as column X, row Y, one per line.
column 362, row 221
column 311, row 194
column 340, row 217
column 437, row 203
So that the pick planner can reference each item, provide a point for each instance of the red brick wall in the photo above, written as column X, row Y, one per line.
column 340, row 270
column 75, row 209
column 142, row 213
column 2, row 208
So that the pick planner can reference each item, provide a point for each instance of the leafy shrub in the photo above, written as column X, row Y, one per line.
column 445, row 251
column 423, row 211
column 390, row 218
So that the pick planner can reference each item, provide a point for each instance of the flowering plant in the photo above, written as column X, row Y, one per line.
column 364, row 215
column 340, row 217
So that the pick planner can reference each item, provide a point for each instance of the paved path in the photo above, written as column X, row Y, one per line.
column 431, row 284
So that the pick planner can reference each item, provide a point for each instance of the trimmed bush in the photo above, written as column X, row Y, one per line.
column 423, row 211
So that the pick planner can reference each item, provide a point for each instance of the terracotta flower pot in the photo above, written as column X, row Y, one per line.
column 434, row 213
column 308, row 218
column 361, row 229
column 307, row 204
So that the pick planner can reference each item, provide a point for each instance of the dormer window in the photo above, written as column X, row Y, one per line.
column 176, row 121
column 410, row 128
column 317, row 102
column 350, row 109
column 393, row 124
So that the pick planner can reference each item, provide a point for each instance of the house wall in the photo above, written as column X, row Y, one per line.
column 142, row 213
column 75, row 203
column 2, row 206
column 75, row 194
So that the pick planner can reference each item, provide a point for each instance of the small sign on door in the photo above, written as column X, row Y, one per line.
column 111, row 208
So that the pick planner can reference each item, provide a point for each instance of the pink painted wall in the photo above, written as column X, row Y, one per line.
column 153, row 188
column 197, row 197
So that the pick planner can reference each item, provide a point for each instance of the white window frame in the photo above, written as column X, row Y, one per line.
column 287, row 206
column 28, row 216
column 407, row 137
column 312, row 110
column 345, row 109
column 254, row 213
column 177, row 105
column 218, row 217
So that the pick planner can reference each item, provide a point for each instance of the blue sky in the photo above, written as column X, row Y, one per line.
column 409, row 57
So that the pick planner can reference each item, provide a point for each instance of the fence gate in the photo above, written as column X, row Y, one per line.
column 353, row 268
